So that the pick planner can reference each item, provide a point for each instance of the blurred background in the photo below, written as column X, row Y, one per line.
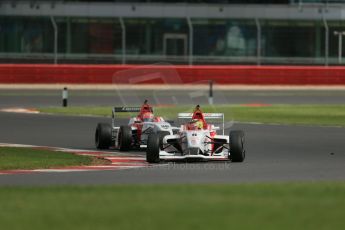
column 298, row 32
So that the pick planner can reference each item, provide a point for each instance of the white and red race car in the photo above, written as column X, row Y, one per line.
column 135, row 134
column 196, row 140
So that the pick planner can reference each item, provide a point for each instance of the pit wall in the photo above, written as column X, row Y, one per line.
column 170, row 74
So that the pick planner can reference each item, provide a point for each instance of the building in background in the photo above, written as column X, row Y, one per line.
column 181, row 32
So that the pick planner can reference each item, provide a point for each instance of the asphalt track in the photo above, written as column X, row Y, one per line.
column 39, row 98
column 275, row 153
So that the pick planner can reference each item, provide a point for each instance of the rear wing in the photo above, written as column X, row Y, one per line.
column 127, row 110
column 124, row 109
column 206, row 116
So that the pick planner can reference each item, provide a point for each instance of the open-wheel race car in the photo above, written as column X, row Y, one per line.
column 196, row 140
column 134, row 135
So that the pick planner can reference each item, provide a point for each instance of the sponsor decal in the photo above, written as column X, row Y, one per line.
column 165, row 126
column 127, row 109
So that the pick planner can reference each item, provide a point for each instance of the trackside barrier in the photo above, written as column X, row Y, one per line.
column 221, row 74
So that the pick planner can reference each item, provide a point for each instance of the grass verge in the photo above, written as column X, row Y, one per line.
column 333, row 115
column 26, row 158
column 253, row 206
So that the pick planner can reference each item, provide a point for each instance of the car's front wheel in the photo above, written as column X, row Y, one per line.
column 153, row 148
column 237, row 151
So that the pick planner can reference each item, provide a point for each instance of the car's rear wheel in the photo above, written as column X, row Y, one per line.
column 103, row 136
column 125, row 138
column 237, row 151
column 153, row 148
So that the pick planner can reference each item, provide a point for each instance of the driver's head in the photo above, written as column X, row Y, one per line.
column 148, row 117
column 146, row 107
column 192, row 124
column 197, row 113
column 195, row 124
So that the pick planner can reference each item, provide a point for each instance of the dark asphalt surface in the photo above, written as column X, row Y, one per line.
column 274, row 153
column 39, row 98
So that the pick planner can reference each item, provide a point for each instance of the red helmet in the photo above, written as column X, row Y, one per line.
column 147, row 117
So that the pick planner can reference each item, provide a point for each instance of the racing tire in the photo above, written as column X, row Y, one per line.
column 103, row 136
column 153, row 148
column 125, row 138
column 237, row 151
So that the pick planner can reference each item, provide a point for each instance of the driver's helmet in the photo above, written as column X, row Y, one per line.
column 146, row 109
column 148, row 117
column 194, row 124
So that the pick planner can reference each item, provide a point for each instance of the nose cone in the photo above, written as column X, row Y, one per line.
column 194, row 139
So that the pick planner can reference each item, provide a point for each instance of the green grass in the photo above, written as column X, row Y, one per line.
column 333, row 115
column 255, row 206
column 26, row 158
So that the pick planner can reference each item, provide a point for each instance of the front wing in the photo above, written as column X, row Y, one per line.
column 163, row 155
column 193, row 157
